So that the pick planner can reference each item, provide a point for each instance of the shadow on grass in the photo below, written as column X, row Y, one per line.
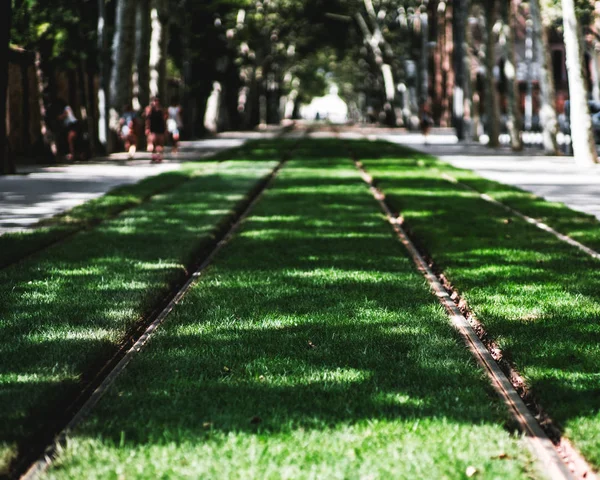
column 580, row 226
column 311, row 318
column 276, row 383
column 302, row 270
column 64, row 311
column 16, row 246
column 536, row 296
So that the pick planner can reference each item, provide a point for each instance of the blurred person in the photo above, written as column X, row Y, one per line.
column 174, row 123
column 155, row 129
column 127, row 129
column 426, row 123
column 70, row 126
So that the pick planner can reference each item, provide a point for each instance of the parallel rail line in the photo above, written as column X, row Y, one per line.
column 34, row 463
column 560, row 461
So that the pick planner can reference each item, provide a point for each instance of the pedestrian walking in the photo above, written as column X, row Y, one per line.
column 70, row 127
column 155, row 129
column 128, row 130
column 174, row 123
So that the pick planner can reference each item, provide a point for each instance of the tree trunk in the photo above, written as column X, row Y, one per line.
column 93, row 114
column 188, row 112
column 512, row 87
column 231, row 83
column 158, row 49
column 373, row 40
column 5, row 14
column 27, row 147
column 458, row 97
column 595, row 71
column 468, row 81
column 86, row 111
column 213, row 109
column 103, row 83
column 166, row 28
column 584, row 148
column 491, row 95
column 142, row 52
column 548, row 117
column 424, row 77
column 49, row 139
column 122, row 55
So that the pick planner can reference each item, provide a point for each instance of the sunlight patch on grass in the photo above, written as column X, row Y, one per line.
column 538, row 298
column 312, row 355
column 74, row 333
column 70, row 305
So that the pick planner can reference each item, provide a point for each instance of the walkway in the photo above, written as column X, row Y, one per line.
column 38, row 192
column 41, row 192
column 557, row 179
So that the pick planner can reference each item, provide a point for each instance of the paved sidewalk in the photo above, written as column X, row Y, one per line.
column 38, row 192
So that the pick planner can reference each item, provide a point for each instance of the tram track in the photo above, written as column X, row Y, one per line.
column 556, row 455
column 39, row 453
column 553, row 460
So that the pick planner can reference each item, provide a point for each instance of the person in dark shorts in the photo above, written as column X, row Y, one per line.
column 70, row 126
column 156, row 127
column 426, row 122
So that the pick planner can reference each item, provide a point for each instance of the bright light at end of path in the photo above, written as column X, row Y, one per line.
column 330, row 107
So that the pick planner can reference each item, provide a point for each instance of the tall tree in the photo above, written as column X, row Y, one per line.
column 548, row 117
column 159, row 40
column 375, row 40
column 5, row 15
column 459, row 20
column 122, row 54
column 492, row 107
column 142, row 51
column 584, row 147
column 512, row 90
column 103, row 85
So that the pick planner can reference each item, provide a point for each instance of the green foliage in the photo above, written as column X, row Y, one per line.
column 64, row 31
column 552, row 12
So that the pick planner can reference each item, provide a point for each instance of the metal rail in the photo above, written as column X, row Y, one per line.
column 538, row 442
column 109, row 375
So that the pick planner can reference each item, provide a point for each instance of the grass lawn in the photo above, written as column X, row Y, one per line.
column 68, row 306
column 15, row 246
column 538, row 297
column 578, row 225
column 311, row 348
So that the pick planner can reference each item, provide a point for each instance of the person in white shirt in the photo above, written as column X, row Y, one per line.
column 174, row 123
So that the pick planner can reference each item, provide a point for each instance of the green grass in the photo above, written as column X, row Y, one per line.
column 67, row 307
column 538, row 297
column 18, row 245
column 580, row 226
column 15, row 246
column 311, row 348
